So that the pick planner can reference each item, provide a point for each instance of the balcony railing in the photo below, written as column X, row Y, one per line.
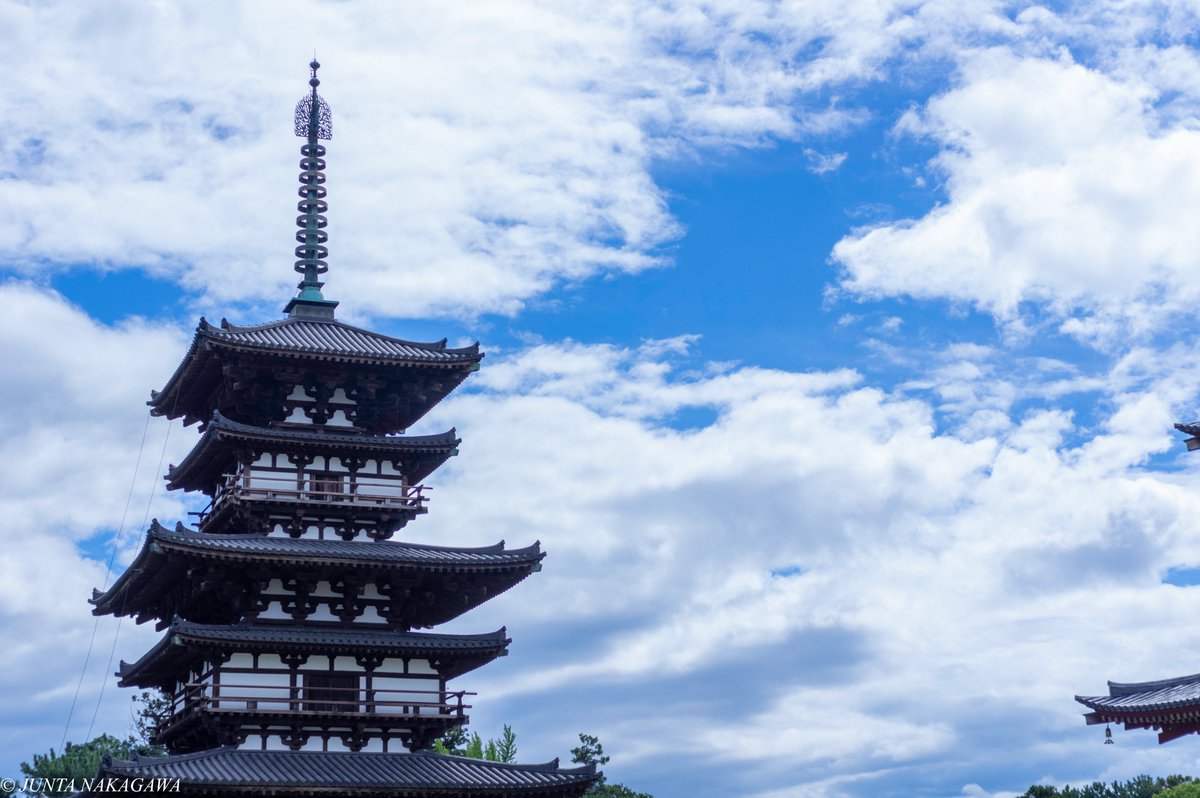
column 315, row 488
column 329, row 702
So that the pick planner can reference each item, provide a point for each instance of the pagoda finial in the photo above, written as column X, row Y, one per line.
column 314, row 122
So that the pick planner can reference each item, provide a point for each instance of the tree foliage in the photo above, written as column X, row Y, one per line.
column 591, row 752
column 153, row 709
column 1137, row 787
column 457, row 742
column 80, row 761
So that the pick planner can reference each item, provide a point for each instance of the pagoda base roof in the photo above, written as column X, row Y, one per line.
column 229, row 771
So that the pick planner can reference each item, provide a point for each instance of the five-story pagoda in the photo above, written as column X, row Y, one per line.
column 290, row 654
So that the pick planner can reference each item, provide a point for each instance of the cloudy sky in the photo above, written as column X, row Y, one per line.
column 833, row 353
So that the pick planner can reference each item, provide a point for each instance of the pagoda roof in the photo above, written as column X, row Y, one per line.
column 211, row 452
column 1170, row 705
column 1140, row 697
column 167, row 555
column 1190, row 429
column 302, row 339
column 457, row 654
column 404, row 775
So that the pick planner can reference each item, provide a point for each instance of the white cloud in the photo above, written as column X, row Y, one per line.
column 946, row 580
column 477, row 159
column 819, row 554
column 1066, row 190
column 74, row 395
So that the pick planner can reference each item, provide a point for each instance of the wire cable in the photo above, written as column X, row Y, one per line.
column 108, row 572
column 145, row 519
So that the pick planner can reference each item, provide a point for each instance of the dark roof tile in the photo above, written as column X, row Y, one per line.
column 334, row 338
column 400, row 774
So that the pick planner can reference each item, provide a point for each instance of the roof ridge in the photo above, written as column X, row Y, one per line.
column 184, row 626
column 193, row 535
column 437, row 346
column 543, row 767
column 1116, row 689
column 221, row 421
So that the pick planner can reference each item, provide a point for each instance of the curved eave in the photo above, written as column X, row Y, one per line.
column 164, row 402
column 147, row 561
column 222, row 436
column 183, row 642
column 209, row 340
column 1193, row 433
column 433, row 354
column 165, row 551
column 397, row 775
column 307, row 551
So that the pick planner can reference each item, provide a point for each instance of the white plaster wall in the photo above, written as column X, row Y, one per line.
column 257, row 686
column 421, row 666
column 322, row 613
column 323, row 589
column 274, row 612
column 414, row 690
column 371, row 615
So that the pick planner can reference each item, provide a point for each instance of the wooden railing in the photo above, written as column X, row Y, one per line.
column 336, row 701
column 310, row 488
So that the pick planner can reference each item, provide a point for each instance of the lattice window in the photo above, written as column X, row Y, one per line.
column 330, row 692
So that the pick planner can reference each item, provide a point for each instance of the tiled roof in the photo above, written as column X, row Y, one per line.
column 311, row 549
column 193, row 472
column 333, row 338
column 1142, row 697
column 1190, row 429
column 329, row 435
column 458, row 653
column 187, row 391
column 394, row 774
column 156, row 584
column 317, row 637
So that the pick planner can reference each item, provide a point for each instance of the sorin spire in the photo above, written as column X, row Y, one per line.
column 313, row 122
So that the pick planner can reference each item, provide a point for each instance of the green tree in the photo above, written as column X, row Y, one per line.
column 1187, row 790
column 153, row 709
column 591, row 752
column 453, row 742
column 80, row 761
column 458, row 743
column 1137, row 787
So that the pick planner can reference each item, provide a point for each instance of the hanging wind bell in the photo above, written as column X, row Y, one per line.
column 1108, row 740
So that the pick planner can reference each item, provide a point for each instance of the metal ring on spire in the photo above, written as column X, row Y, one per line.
column 314, row 121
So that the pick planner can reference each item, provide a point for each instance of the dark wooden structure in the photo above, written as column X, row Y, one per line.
column 292, row 652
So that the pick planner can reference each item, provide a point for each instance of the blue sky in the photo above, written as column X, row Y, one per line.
column 833, row 352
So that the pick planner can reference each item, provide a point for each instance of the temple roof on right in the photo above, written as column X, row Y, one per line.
column 1142, row 696
column 1171, row 706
